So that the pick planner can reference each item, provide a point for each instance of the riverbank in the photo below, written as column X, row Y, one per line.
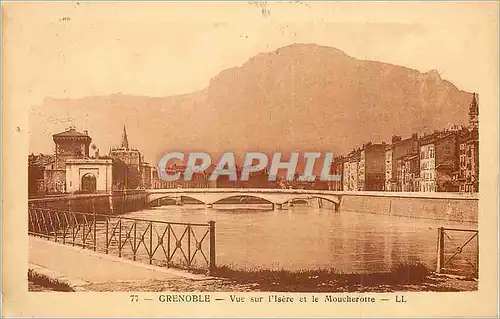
column 432, row 283
column 117, row 202
column 402, row 278
column 459, row 207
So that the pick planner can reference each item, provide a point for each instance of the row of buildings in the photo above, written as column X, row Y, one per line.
column 444, row 161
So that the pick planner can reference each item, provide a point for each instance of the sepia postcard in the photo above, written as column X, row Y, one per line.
column 250, row 159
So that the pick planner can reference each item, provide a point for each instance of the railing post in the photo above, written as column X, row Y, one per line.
column 189, row 245
column 73, row 234
column 120, row 238
column 168, row 245
column 440, row 250
column 107, row 235
column 150, row 243
column 211, row 225
column 477, row 255
column 83, row 231
column 64, row 228
column 95, row 226
column 135, row 240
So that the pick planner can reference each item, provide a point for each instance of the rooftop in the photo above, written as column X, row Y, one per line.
column 88, row 161
column 72, row 132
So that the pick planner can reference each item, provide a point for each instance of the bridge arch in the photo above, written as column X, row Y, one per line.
column 313, row 196
column 177, row 197
column 267, row 200
column 198, row 201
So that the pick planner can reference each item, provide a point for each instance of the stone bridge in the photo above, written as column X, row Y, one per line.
column 277, row 197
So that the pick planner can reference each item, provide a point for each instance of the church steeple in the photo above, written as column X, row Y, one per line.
column 474, row 112
column 124, row 138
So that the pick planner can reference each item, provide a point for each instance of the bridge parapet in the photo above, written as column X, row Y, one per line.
column 437, row 195
column 244, row 190
column 211, row 196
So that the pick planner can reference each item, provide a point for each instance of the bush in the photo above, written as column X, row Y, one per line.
column 278, row 276
column 44, row 281
column 409, row 272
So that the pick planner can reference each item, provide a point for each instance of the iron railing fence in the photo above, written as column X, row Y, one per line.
column 458, row 251
column 171, row 244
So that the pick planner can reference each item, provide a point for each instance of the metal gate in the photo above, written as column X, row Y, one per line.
column 458, row 251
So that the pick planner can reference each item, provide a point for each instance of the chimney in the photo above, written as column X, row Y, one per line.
column 86, row 132
column 414, row 136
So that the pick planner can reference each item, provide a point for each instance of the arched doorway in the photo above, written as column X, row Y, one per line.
column 89, row 183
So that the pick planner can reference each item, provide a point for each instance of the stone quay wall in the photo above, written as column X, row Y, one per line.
column 449, row 206
column 115, row 203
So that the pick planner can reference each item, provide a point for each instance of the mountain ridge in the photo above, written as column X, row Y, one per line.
column 298, row 97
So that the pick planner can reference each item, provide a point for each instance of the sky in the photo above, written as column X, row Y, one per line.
column 73, row 50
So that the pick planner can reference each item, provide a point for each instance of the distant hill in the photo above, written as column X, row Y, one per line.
column 301, row 97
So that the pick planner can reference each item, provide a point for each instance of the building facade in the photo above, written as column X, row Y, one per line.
column 439, row 158
column 427, row 167
column 89, row 175
column 69, row 144
column 337, row 168
column 394, row 160
column 70, row 169
column 472, row 163
column 466, row 177
column 410, row 179
column 388, row 169
column 364, row 169
column 130, row 171
column 352, row 170
column 36, row 173
column 472, row 148
column 372, row 166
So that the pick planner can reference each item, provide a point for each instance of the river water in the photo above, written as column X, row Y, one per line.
column 309, row 238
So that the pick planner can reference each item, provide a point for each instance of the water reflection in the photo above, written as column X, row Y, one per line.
column 304, row 237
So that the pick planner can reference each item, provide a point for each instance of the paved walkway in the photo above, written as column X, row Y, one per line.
column 80, row 266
